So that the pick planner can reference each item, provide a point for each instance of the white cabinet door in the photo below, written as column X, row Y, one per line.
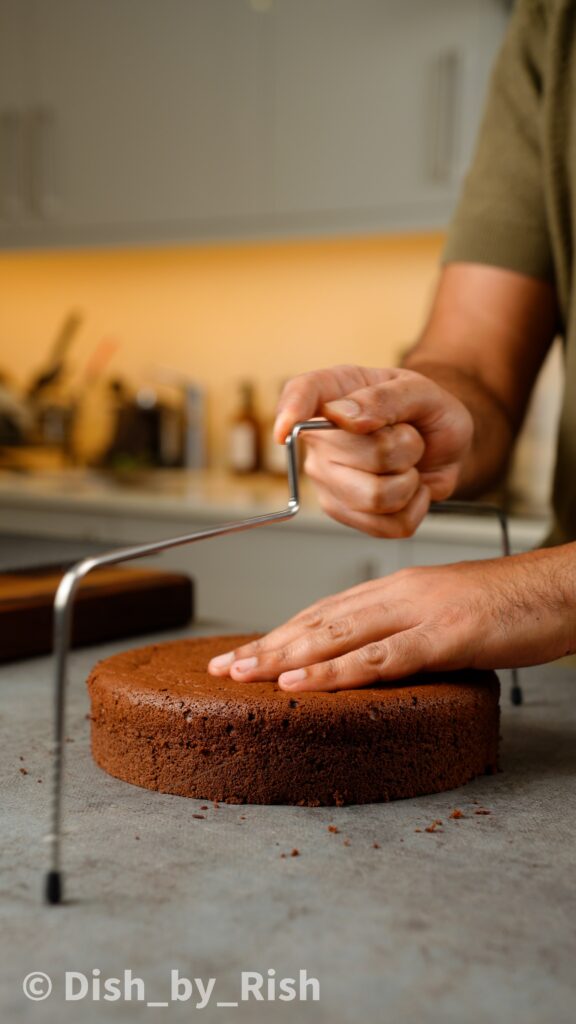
column 13, row 126
column 377, row 104
column 158, row 120
column 149, row 116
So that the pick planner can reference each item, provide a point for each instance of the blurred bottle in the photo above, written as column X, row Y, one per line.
column 194, row 426
column 244, row 447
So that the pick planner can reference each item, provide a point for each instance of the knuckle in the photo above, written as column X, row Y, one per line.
column 312, row 619
column 283, row 657
column 341, row 629
column 400, row 527
column 409, row 520
column 427, row 642
column 386, row 443
column 331, row 671
column 376, row 496
column 255, row 647
column 410, row 441
column 373, row 656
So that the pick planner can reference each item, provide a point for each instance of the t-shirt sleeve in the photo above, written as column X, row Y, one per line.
column 501, row 218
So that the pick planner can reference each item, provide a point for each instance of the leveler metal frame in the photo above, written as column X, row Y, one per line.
column 64, row 603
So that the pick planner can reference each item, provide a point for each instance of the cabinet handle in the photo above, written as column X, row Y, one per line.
column 42, row 200
column 11, row 164
column 443, row 120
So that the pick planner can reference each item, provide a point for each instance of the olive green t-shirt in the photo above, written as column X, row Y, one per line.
column 518, row 204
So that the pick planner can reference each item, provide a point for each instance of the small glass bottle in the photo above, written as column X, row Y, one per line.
column 244, row 434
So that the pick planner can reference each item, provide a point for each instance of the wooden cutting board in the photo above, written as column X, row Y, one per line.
column 110, row 603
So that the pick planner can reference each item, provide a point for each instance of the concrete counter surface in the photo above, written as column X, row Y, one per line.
column 471, row 924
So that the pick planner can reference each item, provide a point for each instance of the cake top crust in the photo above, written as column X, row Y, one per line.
column 176, row 672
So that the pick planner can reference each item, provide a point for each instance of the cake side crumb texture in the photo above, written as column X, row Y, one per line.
column 158, row 720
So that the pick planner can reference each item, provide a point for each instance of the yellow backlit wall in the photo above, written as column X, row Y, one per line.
column 221, row 313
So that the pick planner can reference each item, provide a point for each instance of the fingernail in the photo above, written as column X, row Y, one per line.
column 222, row 661
column 245, row 664
column 290, row 678
column 344, row 407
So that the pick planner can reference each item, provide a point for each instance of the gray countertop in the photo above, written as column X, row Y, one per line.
column 475, row 923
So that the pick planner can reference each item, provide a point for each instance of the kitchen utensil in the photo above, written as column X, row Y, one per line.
column 67, row 589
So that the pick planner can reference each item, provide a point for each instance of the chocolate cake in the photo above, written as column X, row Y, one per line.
column 160, row 721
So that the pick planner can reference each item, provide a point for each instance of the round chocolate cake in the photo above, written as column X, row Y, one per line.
column 160, row 721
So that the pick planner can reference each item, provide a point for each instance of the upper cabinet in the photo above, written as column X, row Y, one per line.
column 13, row 121
column 376, row 105
column 128, row 121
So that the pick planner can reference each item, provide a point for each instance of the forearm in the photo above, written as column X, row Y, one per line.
column 494, row 433
column 485, row 339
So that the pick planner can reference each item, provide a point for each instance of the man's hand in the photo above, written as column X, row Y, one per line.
column 402, row 444
column 497, row 613
column 445, row 423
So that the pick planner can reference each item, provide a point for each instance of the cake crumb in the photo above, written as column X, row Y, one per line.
column 417, row 829
column 295, row 853
column 203, row 807
column 434, row 826
column 21, row 757
column 333, row 828
column 38, row 780
column 482, row 810
column 136, row 837
column 376, row 846
column 242, row 817
column 345, row 842
column 457, row 813
column 23, row 771
column 199, row 816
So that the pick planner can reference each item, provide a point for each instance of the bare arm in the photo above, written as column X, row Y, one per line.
column 485, row 340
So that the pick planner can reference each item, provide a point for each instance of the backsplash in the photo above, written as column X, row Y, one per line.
column 221, row 314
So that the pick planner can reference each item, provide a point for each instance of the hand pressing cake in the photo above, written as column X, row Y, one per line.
column 159, row 720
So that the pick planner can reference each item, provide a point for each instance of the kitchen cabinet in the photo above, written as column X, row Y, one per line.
column 377, row 103
column 12, row 113
column 143, row 121
column 148, row 118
